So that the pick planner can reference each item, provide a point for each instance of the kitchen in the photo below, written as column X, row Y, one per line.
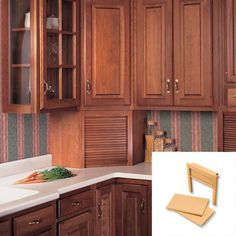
column 80, row 79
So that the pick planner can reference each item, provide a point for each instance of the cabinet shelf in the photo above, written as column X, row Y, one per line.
column 21, row 29
column 20, row 65
column 61, row 66
column 56, row 31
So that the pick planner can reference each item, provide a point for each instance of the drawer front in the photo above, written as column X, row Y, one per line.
column 34, row 222
column 231, row 96
column 5, row 229
column 75, row 203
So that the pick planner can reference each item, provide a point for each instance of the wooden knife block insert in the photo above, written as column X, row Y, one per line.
column 203, row 175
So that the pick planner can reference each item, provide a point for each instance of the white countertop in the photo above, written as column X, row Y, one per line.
column 51, row 190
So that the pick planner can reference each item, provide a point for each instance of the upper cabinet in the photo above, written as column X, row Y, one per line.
column 107, row 75
column 40, row 55
column 174, row 53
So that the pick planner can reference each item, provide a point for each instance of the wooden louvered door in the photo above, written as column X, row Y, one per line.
column 229, row 132
column 106, row 138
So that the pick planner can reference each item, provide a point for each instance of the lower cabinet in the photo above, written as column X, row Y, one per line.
column 80, row 225
column 117, row 207
column 131, row 210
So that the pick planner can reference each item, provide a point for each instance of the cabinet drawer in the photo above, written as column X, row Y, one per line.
column 75, row 203
column 5, row 228
column 34, row 222
column 231, row 96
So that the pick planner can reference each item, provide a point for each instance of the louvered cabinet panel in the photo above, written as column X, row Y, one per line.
column 106, row 139
column 229, row 127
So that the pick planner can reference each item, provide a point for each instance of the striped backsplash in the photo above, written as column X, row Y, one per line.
column 22, row 136
column 192, row 131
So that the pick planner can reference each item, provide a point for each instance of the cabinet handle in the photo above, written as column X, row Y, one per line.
column 49, row 90
column 176, row 86
column 35, row 222
column 99, row 210
column 142, row 206
column 168, row 85
column 234, row 96
column 75, row 203
column 88, row 87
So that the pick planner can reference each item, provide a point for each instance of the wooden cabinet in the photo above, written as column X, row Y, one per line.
column 5, row 228
column 105, row 211
column 107, row 53
column 39, row 55
column 179, row 73
column 80, row 225
column 76, row 213
column 132, row 209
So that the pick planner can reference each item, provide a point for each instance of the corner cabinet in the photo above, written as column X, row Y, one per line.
column 174, row 53
column 39, row 55
column 107, row 56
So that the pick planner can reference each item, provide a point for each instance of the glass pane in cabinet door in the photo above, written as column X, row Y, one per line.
column 67, row 50
column 20, row 47
column 67, row 83
column 51, row 84
column 67, row 15
column 20, row 14
column 20, row 86
column 52, row 49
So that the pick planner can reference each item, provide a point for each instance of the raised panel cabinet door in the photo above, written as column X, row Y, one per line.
column 107, row 73
column 193, row 53
column 154, row 52
column 105, row 211
column 231, row 40
column 80, row 225
column 131, row 210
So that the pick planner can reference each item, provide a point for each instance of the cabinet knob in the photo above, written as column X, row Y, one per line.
column 75, row 203
column 88, row 87
column 35, row 222
column 176, row 85
column 49, row 90
column 168, row 85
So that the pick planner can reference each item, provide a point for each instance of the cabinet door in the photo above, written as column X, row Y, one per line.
column 5, row 228
column 19, row 66
column 231, row 39
column 80, row 225
column 131, row 210
column 105, row 211
column 154, row 52
column 59, row 58
column 107, row 74
column 192, row 52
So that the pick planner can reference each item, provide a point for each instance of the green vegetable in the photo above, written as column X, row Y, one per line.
column 56, row 173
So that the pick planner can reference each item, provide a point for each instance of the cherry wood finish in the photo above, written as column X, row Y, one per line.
column 230, row 6
column 80, row 225
column 39, row 221
column 229, row 131
column 5, row 228
column 193, row 53
column 131, row 210
column 105, row 211
column 107, row 53
column 75, row 203
column 154, row 52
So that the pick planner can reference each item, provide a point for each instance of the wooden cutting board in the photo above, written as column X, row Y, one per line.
column 199, row 220
column 188, row 204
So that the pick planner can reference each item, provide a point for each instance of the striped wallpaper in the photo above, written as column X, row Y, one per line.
column 193, row 131
column 22, row 136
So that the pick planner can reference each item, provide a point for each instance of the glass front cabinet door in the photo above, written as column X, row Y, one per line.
column 40, row 55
